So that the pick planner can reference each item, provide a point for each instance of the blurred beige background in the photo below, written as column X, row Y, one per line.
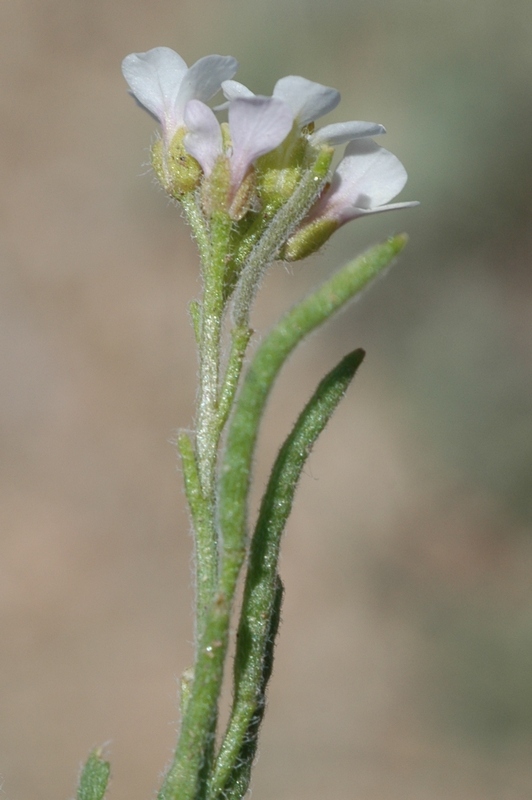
column 404, row 667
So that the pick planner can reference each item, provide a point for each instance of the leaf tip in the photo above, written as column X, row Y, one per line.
column 398, row 242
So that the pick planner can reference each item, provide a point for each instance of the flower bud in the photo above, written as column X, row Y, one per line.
column 280, row 171
column 309, row 239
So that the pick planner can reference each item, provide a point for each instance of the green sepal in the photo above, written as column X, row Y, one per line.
column 94, row 777
column 176, row 170
column 280, row 170
column 309, row 239
column 215, row 188
column 277, row 185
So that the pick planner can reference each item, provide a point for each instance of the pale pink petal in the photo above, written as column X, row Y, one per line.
column 204, row 138
column 154, row 78
column 257, row 125
column 365, row 180
column 205, row 77
column 349, row 214
column 234, row 89
column 341, row 132
column 369, row 170
column 308, row 100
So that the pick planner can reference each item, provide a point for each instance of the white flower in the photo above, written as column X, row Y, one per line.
column 161, row 82
column 366, row 179
column 256, row 126
column 309, row 101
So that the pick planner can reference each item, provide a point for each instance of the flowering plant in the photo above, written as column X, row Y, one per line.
column 254, row 189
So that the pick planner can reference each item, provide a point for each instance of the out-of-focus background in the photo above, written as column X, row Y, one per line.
column 404, row 667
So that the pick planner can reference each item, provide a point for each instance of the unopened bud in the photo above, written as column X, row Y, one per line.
column 280, row 171
column 309, row 239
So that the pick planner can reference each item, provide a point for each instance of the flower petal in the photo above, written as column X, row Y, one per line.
column 204, row 138
column 257, row 125
column 354, row 212
column 308, row 100
column 365, row 180
column 154, row 78
column 341, row 132
column 205, row 77
column 369, row 175
column 234, row 89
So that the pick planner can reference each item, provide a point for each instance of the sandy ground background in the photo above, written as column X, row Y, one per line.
column 404, row 668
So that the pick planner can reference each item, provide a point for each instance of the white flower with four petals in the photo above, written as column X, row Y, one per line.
column 309, row 101
column 161, row 82
column 366, row 179
column 364, row 182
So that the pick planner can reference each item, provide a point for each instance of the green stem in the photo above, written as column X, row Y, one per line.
column 254, row 640
column 198, row 224
column 206, row 557
column 211, row 326
column 186, row 778
column 275, row 235
column 207, row 425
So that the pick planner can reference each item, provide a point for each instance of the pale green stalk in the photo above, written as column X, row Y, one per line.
column 273, row 238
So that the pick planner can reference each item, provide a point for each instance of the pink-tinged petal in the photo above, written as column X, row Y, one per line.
column 234, row 89
column 257, row 125
column 204, row 138
column 365, row 180
column 368, row 170
column 205, row 77
column 353, row 213
column 341, row 132
column 154, row 79
column 308, row 100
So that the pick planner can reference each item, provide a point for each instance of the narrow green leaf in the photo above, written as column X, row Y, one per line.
column 254, row 651
column 239, row 779
column 182, row 782
column 274, row 236
column 304, row 317
column 94, row 777
column 239, row 341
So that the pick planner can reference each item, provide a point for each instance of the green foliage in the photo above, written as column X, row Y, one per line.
column 94, row 777
column 262, row 595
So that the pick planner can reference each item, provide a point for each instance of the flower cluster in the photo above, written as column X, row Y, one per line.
column 249, row 167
